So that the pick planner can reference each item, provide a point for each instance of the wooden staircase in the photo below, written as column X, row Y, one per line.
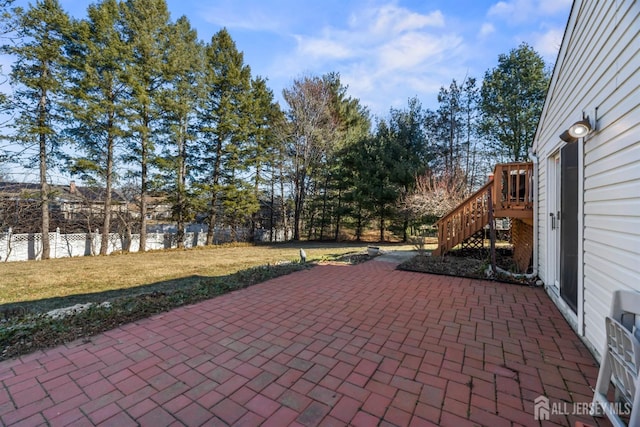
column 508, row 194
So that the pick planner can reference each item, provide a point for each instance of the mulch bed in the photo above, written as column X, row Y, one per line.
column 471, row 263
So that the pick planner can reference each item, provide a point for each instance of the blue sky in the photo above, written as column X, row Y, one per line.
column 386, row 51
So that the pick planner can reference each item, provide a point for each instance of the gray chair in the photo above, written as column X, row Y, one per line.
column 620, row 361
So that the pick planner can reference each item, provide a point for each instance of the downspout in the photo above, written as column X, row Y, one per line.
column 534, row 159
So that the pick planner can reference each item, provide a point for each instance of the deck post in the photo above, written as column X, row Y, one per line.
column 492, row 232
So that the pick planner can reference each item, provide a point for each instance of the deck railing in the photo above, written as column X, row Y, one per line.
column 511, row 194
column 465, row 220
column 513, row 189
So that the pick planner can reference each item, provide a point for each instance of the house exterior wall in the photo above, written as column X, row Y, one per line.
column 597, row 73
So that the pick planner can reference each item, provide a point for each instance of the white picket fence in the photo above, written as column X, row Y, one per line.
column 23, row 247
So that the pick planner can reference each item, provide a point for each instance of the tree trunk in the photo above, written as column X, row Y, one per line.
column 283, row 201
column 44, row 187
column 359, row 224
column 182, row 185
column 106, row 223
column 44, row 199
column 254, row 216
column 143, row 186
column 311, row 224
column 323, row 218
column 405, row 223
column 215, row 180
column 405, row 228
column 272, row 209
column 338, row 216
column 299, row 204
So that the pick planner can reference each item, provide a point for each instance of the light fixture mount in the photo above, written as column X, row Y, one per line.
column 566, row 137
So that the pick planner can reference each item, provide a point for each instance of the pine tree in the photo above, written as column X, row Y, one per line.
column 6, row 17
column 374, row 194
column 179, row 101
column 223, row 121
column 146, row 29
column 512, row 97
column 97, row 99
column 266, row 117
column 7, row 26
column 407, row 142
column 354, row 125
column 38, row 77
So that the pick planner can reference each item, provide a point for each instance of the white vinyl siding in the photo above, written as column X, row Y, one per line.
column 598, row 66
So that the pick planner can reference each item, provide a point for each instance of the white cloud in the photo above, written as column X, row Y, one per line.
column 382, row 54
column 394, row 19
column 487, row 29
column 412, row 50
column 548, row 43
column 552, row 7
column 388, row 36
column 511, row 9
column 523, row 10
column 234, row 16
column 540, row 23
column 322, row 48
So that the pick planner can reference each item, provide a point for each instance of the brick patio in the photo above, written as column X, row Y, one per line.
column 336, row 345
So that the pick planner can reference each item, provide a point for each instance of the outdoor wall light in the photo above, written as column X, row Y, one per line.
column 577, row 130
column 580, row 129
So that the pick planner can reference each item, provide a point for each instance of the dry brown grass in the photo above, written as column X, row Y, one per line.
column 37, row 280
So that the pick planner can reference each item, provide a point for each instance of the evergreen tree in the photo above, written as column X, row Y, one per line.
column 473, row 161
column 512, row 98
column 353, row 182
column 376, row 163
column 353, row 124
column 407, row 143
column 450, row 126
column 179, row 101
column 223, row 121
column 451, row 132
column 279, row 168
column 266, row 118
column 146, row 29
column 7, row 15
column 7, row 26
column 97, row 98
column 38, row 76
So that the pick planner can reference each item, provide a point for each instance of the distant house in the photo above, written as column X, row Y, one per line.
column 587, row 213
column 73, row 208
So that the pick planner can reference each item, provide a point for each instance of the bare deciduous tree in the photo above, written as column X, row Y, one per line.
column 435, row 195
column 309, row 102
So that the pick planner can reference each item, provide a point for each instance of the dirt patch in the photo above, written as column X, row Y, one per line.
column 472, row 263
column 354, row 258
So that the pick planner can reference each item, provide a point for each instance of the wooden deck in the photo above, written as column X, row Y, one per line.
column 509, row 194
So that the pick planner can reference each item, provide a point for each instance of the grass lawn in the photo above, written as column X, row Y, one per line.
column 66, row 281
column 136, row 286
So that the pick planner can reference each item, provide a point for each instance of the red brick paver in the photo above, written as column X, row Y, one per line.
column 357, row 345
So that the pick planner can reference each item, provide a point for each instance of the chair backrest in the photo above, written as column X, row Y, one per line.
column 620, row 359
column 625, row 308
